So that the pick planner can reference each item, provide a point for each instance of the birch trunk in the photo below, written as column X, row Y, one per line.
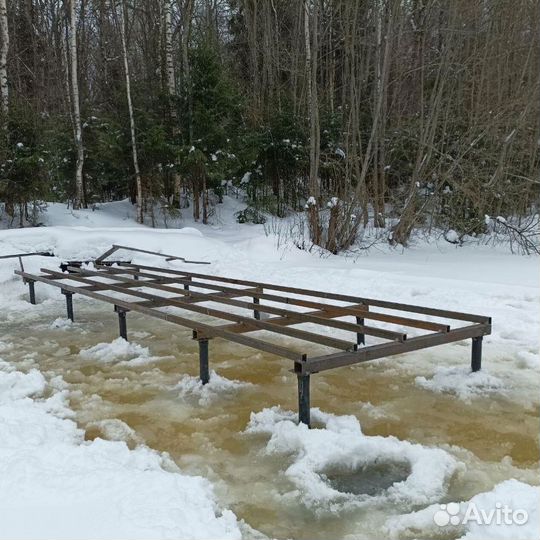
column 4, row 89
column 169, row 64
column 138, row 181
column 75, row 102
column 171, row 90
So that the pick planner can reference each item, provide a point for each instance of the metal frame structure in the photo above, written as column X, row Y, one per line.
column 148, row 289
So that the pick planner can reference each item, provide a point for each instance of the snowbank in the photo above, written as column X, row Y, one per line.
column 339, row 445
column 53, row 484
column 16, row 385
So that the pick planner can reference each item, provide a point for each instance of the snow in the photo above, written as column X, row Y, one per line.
column 340, row 442
column 333, row 202
column 53, row 484
column 119, row 349
column 477, row 518
column 61, row 323
column 115, row 430
column 16, row 385
column 452, row 236
column 102, row 489
column 528, row 359
column 109, row 352
column 191, row 388
column 459, row 380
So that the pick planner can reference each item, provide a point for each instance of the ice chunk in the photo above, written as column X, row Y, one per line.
column 192, row 388
column 339, row 444
column 119, row 349
column 462, row 382
column 17, row 385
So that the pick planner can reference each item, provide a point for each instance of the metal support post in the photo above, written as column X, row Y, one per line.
column 204, row 372
column 69, row 304
column 476, row 354
column 303, row 399
column 360, row 337
column 122, row 323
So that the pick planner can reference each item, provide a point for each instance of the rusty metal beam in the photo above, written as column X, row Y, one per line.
column 332, row 296
column 259, row 325
column 116, row 247
column 207, row 329
column 332, row 361
column 233, row 332
column 300, row 317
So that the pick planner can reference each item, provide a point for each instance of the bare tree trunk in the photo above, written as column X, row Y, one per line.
column 186, row 33
column 196, row 200
column 169, row 64
column 66, row 75
column 204, row 201
column 382, row 77
column 401, row 232
column 253, row 37
column 4, row 88
column 171, row 90
column 138, row 181
column 378, row 150
column 75, row 102
column 315, row 136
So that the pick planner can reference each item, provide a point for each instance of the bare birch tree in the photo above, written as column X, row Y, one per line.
column 137, row 172
column 80, row 199
column 169, row 63
column 4, row 88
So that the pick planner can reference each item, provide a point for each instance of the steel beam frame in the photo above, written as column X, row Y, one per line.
column 128, row 288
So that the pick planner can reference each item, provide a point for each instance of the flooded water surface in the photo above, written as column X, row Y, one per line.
column 204, row 434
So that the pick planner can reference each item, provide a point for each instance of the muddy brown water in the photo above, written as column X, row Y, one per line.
column 207, row 439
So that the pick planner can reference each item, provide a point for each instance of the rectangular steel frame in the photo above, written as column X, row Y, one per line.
column 132, row 287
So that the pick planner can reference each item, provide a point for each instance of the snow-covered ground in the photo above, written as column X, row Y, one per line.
column 53, row 483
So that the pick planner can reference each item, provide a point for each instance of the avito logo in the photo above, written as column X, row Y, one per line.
column 450, row 514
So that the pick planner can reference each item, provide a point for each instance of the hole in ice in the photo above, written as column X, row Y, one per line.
column 372, row 479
